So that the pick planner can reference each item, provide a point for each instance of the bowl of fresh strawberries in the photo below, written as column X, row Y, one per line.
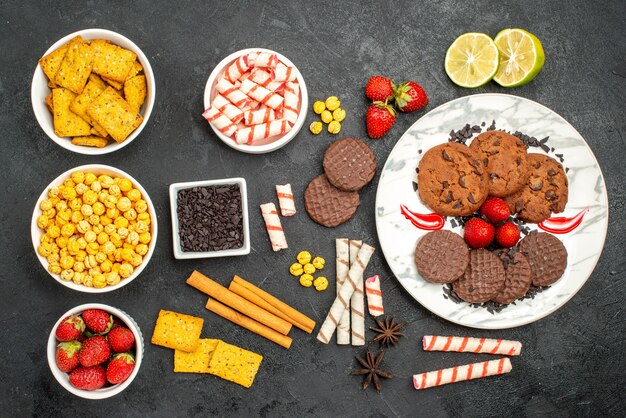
column 95, row 350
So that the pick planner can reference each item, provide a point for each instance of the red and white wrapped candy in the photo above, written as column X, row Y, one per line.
column 254, row 133
column 231, row 111
column 284, row 73
column 285, row 199
column 374, row 296
column 461, row 373
column 471, row 345
column 220, row 121
column 273, row 226
column 290, row 105
column 266, row 60
column 237, row 69
column 255, row 117
column 232, row 93
column 264, row 79
column 261, row 94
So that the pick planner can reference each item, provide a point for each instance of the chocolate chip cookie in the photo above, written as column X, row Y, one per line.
column 544, row 193
column 547, row 257
column 327, row 205
column 452, row 180
column 483, row 279
column 349, row 164
column 504, row 156
column 441, row 256
column 518, row 278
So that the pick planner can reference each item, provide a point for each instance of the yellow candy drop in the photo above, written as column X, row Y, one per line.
column 339, row 114
column 321, row 283
column 326, row 116
column 332, row 103
column 316, row 127
column 319, row 107
column 334, row 127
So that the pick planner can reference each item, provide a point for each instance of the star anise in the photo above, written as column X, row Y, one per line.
column 388, row 332
column 370, row 364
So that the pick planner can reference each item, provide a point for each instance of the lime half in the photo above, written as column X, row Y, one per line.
column 521, row 57
column 472, row 60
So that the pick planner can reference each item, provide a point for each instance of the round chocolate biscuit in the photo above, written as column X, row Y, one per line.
column 349, row 164
column 544, row 193
column 518, row 278
column 441, row 256
column 547, row 257
column 504, row 156
column 483, row 278
column 452, row 180
column 327, row 205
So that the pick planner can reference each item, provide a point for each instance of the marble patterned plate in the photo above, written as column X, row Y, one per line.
column 398, row 236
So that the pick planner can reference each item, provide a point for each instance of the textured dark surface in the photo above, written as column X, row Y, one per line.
column 572, row 363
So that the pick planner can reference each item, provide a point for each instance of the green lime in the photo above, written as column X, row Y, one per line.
column 521, row 57
column 472, row 60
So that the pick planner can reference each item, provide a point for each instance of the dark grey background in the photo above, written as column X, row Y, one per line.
column 573, row 361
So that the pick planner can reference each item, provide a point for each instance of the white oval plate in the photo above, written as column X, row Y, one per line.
column 398, row 236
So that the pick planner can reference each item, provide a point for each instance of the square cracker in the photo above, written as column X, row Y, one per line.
column 79, row 105
column 112, row 61
column 198, row 361
column 177, row 331
column 66, row 122
column 90, row 141
column 114, row 114
column 235, row 364
column 49, row 103
column 115, row 84
column 50, row 63
column 76, row 66
column 137, row 68
column 135, row 91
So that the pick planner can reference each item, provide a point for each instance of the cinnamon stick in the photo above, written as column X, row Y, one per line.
column 233, row 300
column 257, row 300
column 249, row 324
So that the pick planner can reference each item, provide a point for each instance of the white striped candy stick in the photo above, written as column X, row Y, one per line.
column 237, row 68
column 357, row 301
column 266, row 60
column 471, row 345
column 231, row 111
column 262, row 95
column 232, row 93
column 285, row 199
column 461, row 373
column 256, row 117
column 283, row 73
column 273, row 226
column 264, row 78
column 292, row 98
column 340, row 305
column 251, row 134
column 220, row 121
column 374, row 296
column 342, row 250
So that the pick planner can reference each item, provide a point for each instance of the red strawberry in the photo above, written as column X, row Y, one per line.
column 120, row 367
column 495, row 209
column 97, row 320
column 121, row 339
column 410, row 97
column 478, row 233
column 71, row 328
column 95, row 350
column 379, row 118
column 378, row 88
column 67, row 356
column 117, row 323
column 88, row 378
column 507, row 234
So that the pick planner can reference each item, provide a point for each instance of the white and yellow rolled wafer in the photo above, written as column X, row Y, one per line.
column 261, row 94
column 256, row 117
column 357, row 301
column 283, row 73
column 290, row 105
column 237, row 69
column 232, row 93
column 220, row 121
column 340, row 305
column 374, row 296
column 471, row 345
column 273, row 226
column 224, row 105
column 342, row 251
column 461, row 373
column 285, row 199
column 251, row 134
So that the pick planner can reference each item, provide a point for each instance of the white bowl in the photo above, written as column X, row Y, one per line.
column 269, row 144
column 64, row 378
column 39, row 90
column 178, row 251
column 97, row 169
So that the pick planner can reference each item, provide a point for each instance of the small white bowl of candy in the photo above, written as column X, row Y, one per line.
column 255, row 100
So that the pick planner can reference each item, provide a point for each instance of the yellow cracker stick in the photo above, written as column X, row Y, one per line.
column 49, row 103
column 67, row 123
column 135, row 92
column 115, row 84
column 114, row 114
column 50, row 63
column 79, row 105
column 90, row 141
column 75, row 67
column 197, row 361
column 235, row 364
column 111, row 61
column 177, row 331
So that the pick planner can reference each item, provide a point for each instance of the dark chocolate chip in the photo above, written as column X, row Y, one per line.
column 471, row 199
column 445, row 156
column 457, row 204
column 445, row 184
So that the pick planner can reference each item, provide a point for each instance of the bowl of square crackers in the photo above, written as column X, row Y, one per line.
column 93, row 91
